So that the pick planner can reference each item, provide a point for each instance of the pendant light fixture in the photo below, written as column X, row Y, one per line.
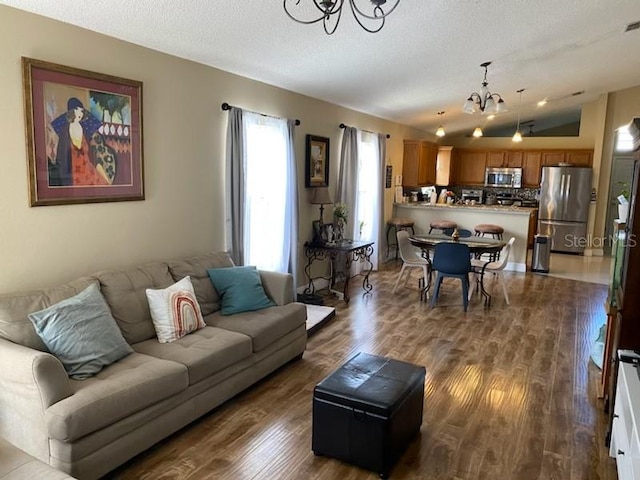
column 488, row 103
column 477, row 132
column 517, row 137
column 440, row 131
column 371, row 17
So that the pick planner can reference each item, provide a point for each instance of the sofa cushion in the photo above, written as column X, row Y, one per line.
column 174, row 311
column 196, row 267
column 81, row 333
column 204, row 352
column 263, row 326
column 15, row 325
column 240, row 288
column 124, row 291
column 119, row 390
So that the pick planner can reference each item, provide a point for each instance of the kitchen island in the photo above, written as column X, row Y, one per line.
column 514, row 220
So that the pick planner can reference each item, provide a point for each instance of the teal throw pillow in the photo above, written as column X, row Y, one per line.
column 240, row 288
column 82, row 333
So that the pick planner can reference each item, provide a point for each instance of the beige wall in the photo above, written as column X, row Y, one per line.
column 184, row 133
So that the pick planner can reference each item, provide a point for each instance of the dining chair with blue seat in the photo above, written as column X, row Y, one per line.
column 451, row 259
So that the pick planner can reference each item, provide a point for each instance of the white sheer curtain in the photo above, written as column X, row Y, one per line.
column 263, row 209
column 360, row 186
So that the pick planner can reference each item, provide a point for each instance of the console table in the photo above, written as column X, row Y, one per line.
column 347, row 251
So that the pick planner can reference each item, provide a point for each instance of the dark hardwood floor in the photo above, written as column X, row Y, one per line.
column 510, row 391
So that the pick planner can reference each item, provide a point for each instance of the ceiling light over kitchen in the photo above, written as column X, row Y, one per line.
column 330, row 11
column 542, row 103
column 440, row 131
column 477, row 132
column 485, row 100
column 517, row 137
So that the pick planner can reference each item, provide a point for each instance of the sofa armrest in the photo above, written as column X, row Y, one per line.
column 278, row 286
column 30, row 382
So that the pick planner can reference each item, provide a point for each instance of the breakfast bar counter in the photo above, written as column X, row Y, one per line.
column 514, row 220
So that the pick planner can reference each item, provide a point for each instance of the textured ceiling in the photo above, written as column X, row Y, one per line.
column 425, row 59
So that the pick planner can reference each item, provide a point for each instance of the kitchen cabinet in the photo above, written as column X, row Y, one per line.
column 444, row 166
column 532, row 165
column 470, row 167
column 553, row 158
column 469, row 163
column 504, row 159
column 419, row 163
column 579, row 158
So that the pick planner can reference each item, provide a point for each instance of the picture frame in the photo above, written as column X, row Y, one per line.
column 317, row 162
column 84, row 135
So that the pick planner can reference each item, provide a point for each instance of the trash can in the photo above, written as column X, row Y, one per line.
column 541, row 254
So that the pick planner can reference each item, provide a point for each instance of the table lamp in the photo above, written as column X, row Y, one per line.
column 321, row 197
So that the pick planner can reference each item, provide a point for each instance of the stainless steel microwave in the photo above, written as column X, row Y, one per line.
column 503, row 177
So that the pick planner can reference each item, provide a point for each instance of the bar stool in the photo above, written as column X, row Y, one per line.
column 483, row 229
column 442, row 225
column 398, row 224
column 495, row 231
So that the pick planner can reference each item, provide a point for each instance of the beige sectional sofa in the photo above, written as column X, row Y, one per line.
column 87, row 428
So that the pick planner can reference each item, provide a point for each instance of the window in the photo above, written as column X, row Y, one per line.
column 624, row 140
column 367, row 194
column 266, row 242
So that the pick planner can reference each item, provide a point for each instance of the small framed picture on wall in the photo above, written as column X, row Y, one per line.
column 317, row 162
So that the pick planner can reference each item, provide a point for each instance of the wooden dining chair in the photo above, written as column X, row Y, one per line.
column 452, row 260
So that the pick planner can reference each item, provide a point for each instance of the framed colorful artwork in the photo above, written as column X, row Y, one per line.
column 84, row 135
column 317, row 162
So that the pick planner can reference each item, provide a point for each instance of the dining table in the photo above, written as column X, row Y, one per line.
column 477, row 247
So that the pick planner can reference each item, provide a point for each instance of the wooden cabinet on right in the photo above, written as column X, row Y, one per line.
column 469, row 163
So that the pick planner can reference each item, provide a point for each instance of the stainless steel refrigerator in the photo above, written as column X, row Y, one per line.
column 565, row 193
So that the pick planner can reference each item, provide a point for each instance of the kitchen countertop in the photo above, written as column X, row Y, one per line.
column 493, row 208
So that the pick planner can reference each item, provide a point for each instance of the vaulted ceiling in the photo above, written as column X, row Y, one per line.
column 426, row 58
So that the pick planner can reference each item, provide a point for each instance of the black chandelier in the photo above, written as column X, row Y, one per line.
column 330, row 11
column 485, row 101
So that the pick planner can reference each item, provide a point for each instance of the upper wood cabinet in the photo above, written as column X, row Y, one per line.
column 553, row 158
column 444, row 166
column 579, row 158
column 514, row 159
column 469, row 163
column 531, row 170
column 419, row 163
column 470, row 167
column 504, row 159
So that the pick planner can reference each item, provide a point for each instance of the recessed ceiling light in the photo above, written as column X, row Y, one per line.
column 542, row 103
column 491, row 117
column 632, row 26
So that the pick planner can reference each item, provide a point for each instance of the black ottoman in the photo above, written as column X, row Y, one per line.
column 367, row 411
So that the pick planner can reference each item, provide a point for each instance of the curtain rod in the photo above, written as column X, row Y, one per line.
column 226, row 106
column 342, row 125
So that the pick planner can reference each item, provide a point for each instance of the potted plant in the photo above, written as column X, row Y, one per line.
column 340, row 213
column 623, row 201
